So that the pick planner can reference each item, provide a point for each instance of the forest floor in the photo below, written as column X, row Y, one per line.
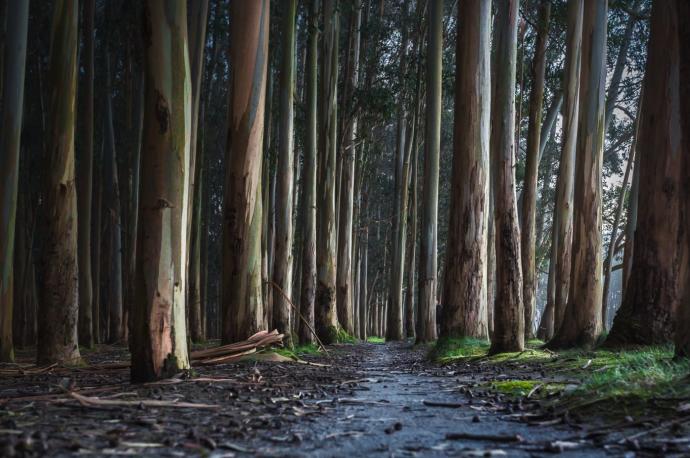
column 367, row 399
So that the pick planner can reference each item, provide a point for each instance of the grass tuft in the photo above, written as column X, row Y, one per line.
column 343, row 337
column 300, row 350
column 376, row 340
column 448, row 350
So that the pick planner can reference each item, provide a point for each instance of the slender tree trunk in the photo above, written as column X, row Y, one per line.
column 85, row 183
column 394, row 319
column 345, row 301
column 565, row 186
column 464, row 295
column 197, row 44
column 59, row 306
column 266, row 187
column 612, row 248
column 308, row 281
column 426, row 303
column 621, row 60
column 282, row 271
column 364, row 309
column 529, row 196
column 12, row 91
column 325, row 307
column 581, row 324
column 242, row 294
column 647, row 315
column 96, row 246
column 682, row 334
column 631, row 221
column 411, row 258
column 113, row 224
column 509, row 318
column 158, row 332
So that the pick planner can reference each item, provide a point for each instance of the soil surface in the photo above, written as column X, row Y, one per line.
column 363, row 399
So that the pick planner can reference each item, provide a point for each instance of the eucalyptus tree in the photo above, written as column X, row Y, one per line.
column 12, row 105
column 345, row 290
column 198, row 18
column 509, row 318
column 59, row 305
column 308, row 281
column 427, row 280
column 326, row 318
column 465, row 287
column 158, row 331
column 651, row 298
column 282, row 267
column 243, row 313
column 581, row 325
column 529, row 196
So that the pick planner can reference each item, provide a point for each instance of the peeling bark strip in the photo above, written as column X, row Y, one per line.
column 582, row 320
column 158, row 335
column 325, row 307
column 509, row 319
column 427, row 280
column 465, row 293
column 57, row 320
column 243, row 312
column 651, row 298
column 13, row 103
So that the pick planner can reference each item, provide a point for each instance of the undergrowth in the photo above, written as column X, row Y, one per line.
column 299, row 350
column 376, row 340
column 581, row 379
column 344, row 337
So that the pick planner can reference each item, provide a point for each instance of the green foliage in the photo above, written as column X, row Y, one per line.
column 450, row 349
column 344, row 337
column 299, row 350
column 376, row 340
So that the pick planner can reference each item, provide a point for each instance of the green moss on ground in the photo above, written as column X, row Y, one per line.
column 630, row 379
column 376, row 340
column 343, row 337
column 299, row 350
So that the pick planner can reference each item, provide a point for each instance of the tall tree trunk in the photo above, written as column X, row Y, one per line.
column 509, row 318
column 394, row 318
column 364, row 309
column 325, row 307
column 464, row 308
column 198, row 19
column 565, row 186
column 647, row 315
column 426, row 303
column 682, row 334
column 96, row 246
column 345, row 290
column 12, row 104
column 59, row 306
column 85, row 183
column 411, row 258
column 581, row 324
column 529, row 196
column 243, row 313
column 308, row 281
column 158, row 332
column 282, row 271
column 113, row 220
column 613, row 239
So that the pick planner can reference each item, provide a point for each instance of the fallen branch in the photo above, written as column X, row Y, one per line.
column 98, row 402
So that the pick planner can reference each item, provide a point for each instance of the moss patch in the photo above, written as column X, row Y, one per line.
column 376, row 340
column 448, row 350
column 343, row 337
column 295, row 352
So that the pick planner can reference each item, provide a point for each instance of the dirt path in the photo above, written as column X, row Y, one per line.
column 402, row 407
